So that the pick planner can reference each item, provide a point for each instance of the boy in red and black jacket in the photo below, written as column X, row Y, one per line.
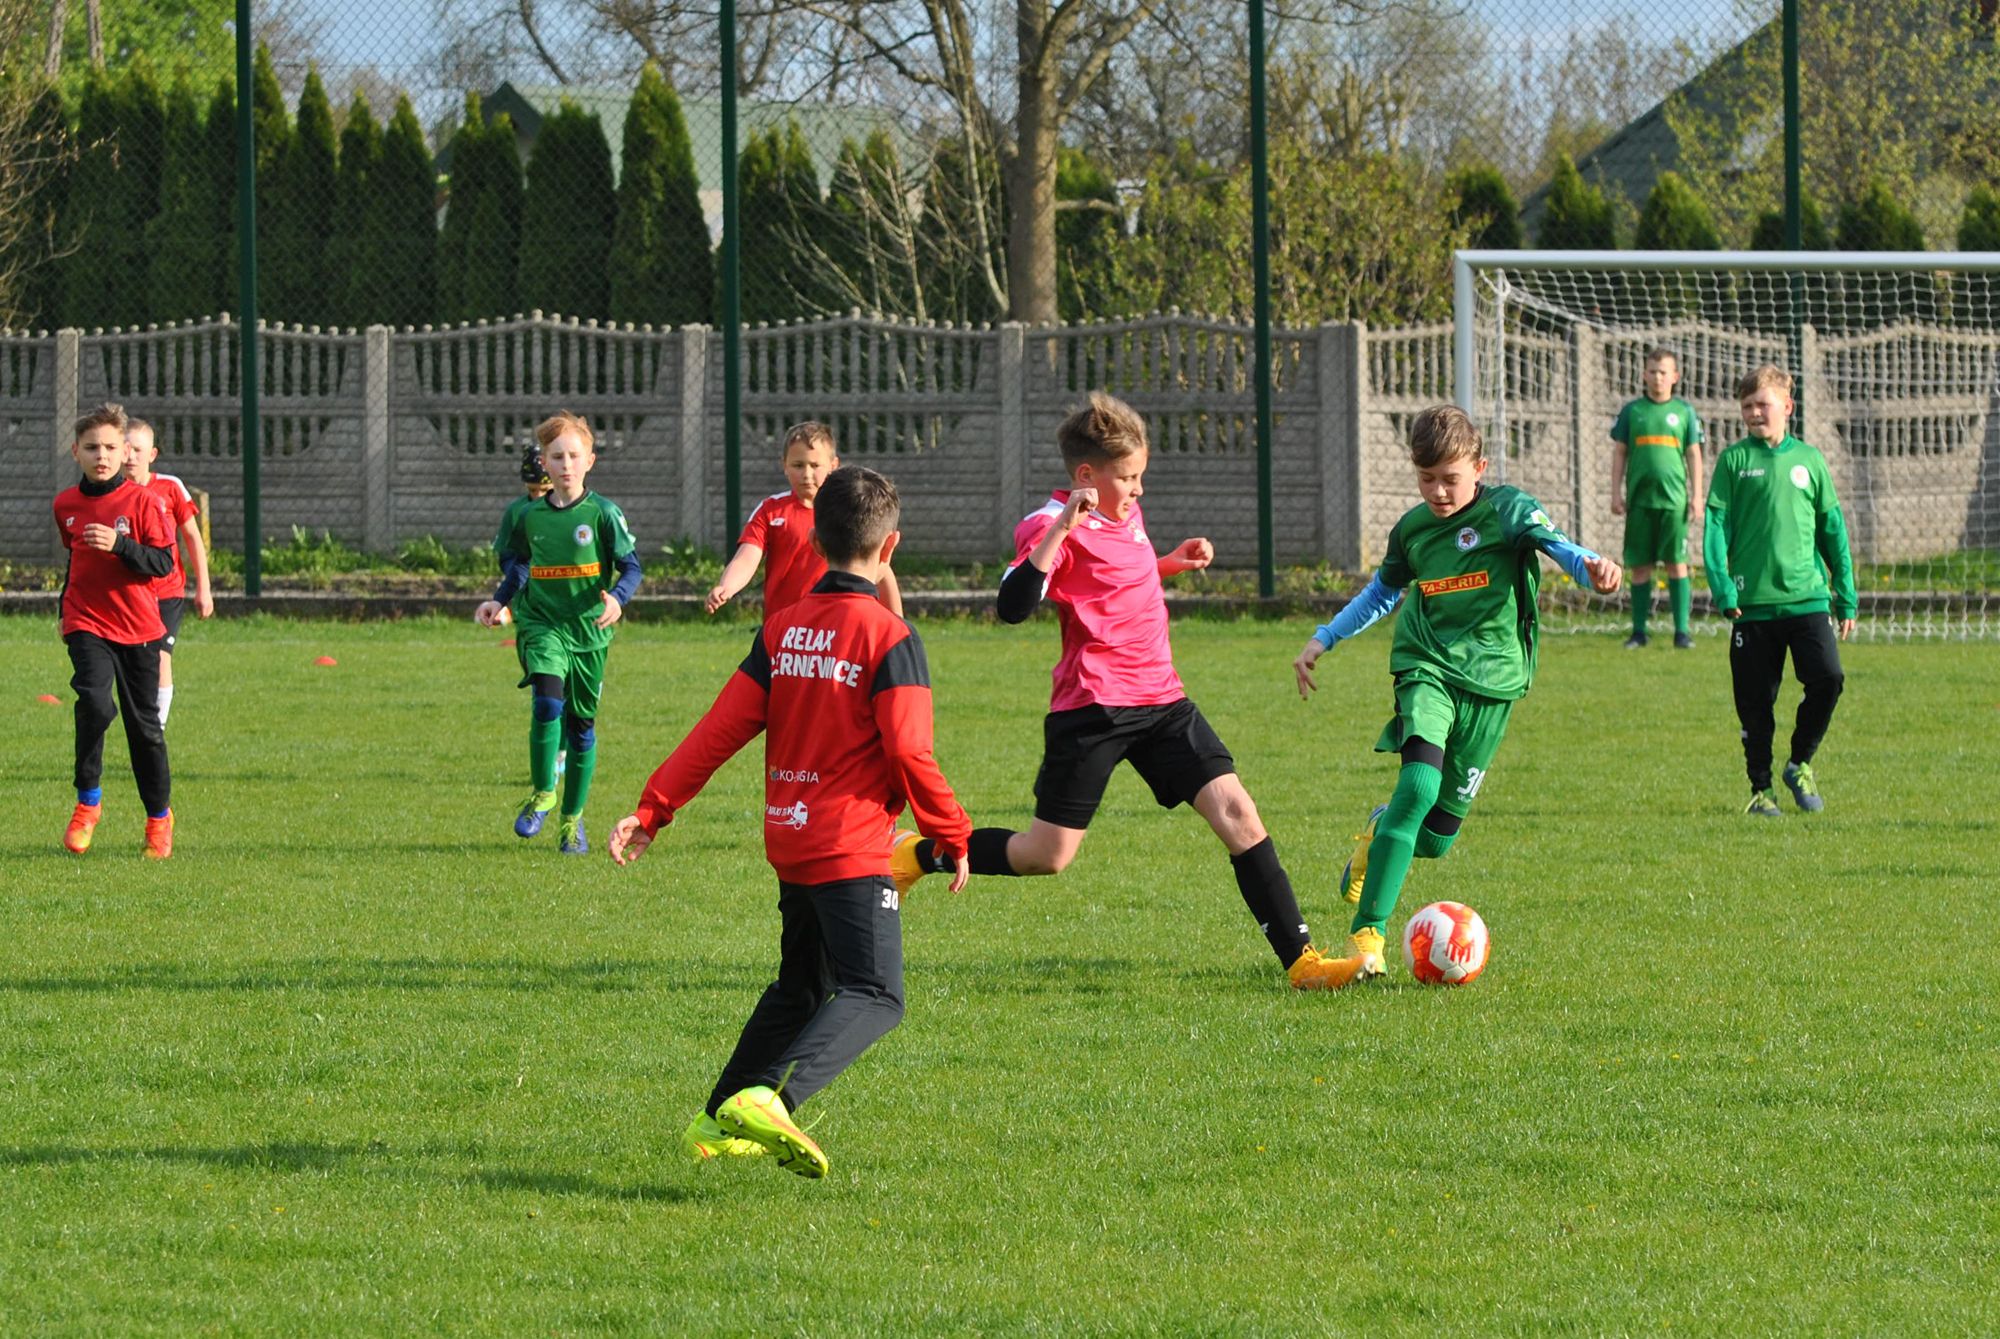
column 840, row 688
column 119, row 539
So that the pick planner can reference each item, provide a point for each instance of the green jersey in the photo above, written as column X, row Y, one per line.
column 571, row 554
column 1469, row 612
column 1775, row 533
column 1657, row 437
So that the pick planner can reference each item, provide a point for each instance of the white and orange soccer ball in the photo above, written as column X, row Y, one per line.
column 1445, row 944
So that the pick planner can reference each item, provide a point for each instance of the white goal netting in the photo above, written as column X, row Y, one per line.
column 1898, row 373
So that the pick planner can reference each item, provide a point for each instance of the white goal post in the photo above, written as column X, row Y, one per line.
column 1897, row 360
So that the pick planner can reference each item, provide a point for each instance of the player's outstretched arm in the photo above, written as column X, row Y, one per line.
column 629, row 840
column 736, row 574
column 1376, row 600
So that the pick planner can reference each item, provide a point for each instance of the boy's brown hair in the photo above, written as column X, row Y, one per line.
column 1103, row 430
column 1660, row 353
column 813, row 433
column 1766, row 377
column 562, row 421
column 106, row 415
column 1444, row 433
column 854, row 512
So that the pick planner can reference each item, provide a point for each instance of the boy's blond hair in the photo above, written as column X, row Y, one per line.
column 1103, row 430
column 1767, row 377
column 1444, row 433
column 813, row 433
column 106, row 415
column 562, row 421
column 1660, row 353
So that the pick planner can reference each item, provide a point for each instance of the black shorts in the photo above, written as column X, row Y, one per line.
column 170, row 614
column 1172, row 747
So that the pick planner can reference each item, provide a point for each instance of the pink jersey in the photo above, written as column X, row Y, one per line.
column 782, row 526
column 180, row 509
column 1105, row 585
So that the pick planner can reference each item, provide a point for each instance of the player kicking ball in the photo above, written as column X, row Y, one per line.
column 1468, row 558
column 1117, row 696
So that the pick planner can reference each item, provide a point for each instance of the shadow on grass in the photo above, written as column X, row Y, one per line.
column 311, row 1157
column 612, row 974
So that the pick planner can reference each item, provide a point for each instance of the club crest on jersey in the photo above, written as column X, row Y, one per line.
column 1542, row 518
column 1801, row 476
column 69, row 522
column 124, row 525
column 583, row 534
column 777, row 520
column 1673, row 420
column 1468, row 540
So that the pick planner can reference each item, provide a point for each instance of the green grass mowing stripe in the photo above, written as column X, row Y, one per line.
column 359, row 1060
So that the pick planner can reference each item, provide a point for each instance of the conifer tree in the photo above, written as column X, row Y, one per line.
column 1575, row 214
column 219, row 167
column 778, row 193
column 662, row 267
column 113, row 196
column 1675, row 219
column 351, row 270
column 183, row 265
column 467, row 173
column 1486, row 208
column 1769, row 232
column 567, row 217
column 34, row 261
column 493, row 243
column 402, row 234
column 301, row 284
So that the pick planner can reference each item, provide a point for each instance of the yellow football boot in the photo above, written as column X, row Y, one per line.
column 1316, row 971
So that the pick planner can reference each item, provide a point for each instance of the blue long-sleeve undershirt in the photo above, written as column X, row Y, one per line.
column 1572, row 558
column 1359, row 614
column 1376, row 600
column 627, row 584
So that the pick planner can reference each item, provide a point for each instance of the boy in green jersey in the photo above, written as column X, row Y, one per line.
column 1779, row 568
column 1655, row 481
column 559, row 554
column 1464, row 653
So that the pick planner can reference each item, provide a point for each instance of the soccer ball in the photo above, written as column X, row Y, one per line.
column 1445, row 944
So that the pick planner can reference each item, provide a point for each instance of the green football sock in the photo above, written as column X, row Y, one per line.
column 1681, row 591
column 544, row 739
column 576, row 780
column 1642, row 606
column 1433, row 845
column 1417, row 787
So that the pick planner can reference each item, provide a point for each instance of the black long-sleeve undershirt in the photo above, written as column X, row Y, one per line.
column 1021, row 592
column 147, row 560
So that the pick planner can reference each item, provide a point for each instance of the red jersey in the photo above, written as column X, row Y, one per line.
column 180, row 510
column 782, row 526
column 1105, row 585
column 102, row 594
column 841, row 690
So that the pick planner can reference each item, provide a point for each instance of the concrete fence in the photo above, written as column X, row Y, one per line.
column 379, row 436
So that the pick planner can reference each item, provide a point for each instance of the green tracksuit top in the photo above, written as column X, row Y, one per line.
column 1776, row 543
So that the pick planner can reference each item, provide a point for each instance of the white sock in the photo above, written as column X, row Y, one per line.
column 166, row 704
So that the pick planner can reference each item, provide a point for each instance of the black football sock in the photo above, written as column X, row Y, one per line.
column 1267, row 891
column 986, row 853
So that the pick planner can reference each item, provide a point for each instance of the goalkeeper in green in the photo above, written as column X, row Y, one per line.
column 572, row 559
column 1469, row 559
column 1778, row 568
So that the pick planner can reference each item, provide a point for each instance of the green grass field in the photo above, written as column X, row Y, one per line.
column 359, row 1061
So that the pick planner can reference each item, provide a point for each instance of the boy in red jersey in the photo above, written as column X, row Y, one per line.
column 1117, row 695
column 841, row 690
column 120, row 541
column 779, row 531
column 171, row 589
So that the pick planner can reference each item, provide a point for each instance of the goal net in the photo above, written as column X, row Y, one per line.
column 1897, row 362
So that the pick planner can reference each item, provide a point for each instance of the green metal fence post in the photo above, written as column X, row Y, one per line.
column 246, row 306
column 1794, row 201
column 732, row 296
column 1260, row 245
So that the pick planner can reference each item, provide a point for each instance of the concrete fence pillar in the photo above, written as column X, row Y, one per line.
column 1342, row 373
column 378, row 519
column 68, row 391
column 695, row 523
column 1589, row 476
column 1014, row 474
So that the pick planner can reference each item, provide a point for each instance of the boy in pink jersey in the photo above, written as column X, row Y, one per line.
column 171, row 590
column 1116, row 694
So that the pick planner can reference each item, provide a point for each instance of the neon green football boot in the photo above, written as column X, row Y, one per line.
column 759, row 1115
column 705, row 1140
